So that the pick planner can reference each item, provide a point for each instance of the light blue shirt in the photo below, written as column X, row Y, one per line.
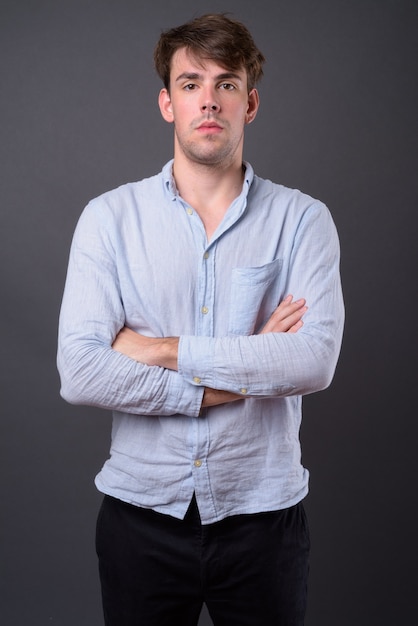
column 140, row 258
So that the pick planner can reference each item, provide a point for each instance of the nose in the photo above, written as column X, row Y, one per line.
column 209, row 101
column 210, row 106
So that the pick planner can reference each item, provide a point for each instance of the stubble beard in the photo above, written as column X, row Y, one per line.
column 208, row 151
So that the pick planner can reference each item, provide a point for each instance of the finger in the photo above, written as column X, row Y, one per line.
column 294, row 318
column 285, row 311
column 296, row 327
column 281, row 322
column 288, row 306
column 287, row 299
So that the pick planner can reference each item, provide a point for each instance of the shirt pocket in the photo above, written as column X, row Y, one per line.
column 255, row 293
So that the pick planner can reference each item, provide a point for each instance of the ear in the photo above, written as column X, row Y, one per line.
column 253, row 104
column 165, row 105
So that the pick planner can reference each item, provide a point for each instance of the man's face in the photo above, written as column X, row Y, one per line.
column 209, row 106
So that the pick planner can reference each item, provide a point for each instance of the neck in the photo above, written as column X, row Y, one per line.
column 210, row 190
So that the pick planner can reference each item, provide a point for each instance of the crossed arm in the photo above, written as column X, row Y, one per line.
column 163, row 351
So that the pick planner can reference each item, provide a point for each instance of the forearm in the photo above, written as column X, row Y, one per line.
column 275, row 364
column 95, row 375
column 163, row 352
column 152, row 351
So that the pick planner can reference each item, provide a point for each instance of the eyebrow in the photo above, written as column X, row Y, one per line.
column 196, row 76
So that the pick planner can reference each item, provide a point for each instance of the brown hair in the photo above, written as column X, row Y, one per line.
column 214, row 37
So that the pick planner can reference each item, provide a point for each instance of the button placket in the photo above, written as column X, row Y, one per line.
column 206, row 293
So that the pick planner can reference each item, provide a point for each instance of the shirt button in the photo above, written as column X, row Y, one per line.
column 189, row 211
column 243, row 390
column 205, row 310
column 198, row 463
column 206, row 255
column 197, row 380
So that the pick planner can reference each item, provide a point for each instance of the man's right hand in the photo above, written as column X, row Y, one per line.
column 287, row 318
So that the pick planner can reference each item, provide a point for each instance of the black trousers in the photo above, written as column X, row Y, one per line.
column 250, row 570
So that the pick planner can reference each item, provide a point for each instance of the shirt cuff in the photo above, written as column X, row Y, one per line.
column 186, row 399
column 196, row 359
column 196, row 364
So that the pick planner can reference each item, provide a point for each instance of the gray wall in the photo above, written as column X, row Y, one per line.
column 338, row 120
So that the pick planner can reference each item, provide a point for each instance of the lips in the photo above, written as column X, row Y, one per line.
column 208, row 124
column 209, row 127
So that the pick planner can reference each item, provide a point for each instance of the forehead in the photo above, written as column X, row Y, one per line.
column 185, row 61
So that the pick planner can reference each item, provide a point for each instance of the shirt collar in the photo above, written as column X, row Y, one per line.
column 170, row 184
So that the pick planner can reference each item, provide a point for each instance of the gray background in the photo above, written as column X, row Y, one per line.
column 338, row 120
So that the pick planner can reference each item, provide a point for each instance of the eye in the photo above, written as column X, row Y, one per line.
column 189, row 87
column 227, row 86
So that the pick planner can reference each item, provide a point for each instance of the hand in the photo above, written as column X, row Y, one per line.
column 213, row 397
column 287, row 318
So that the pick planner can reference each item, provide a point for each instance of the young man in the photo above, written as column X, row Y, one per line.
column 177, row 316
